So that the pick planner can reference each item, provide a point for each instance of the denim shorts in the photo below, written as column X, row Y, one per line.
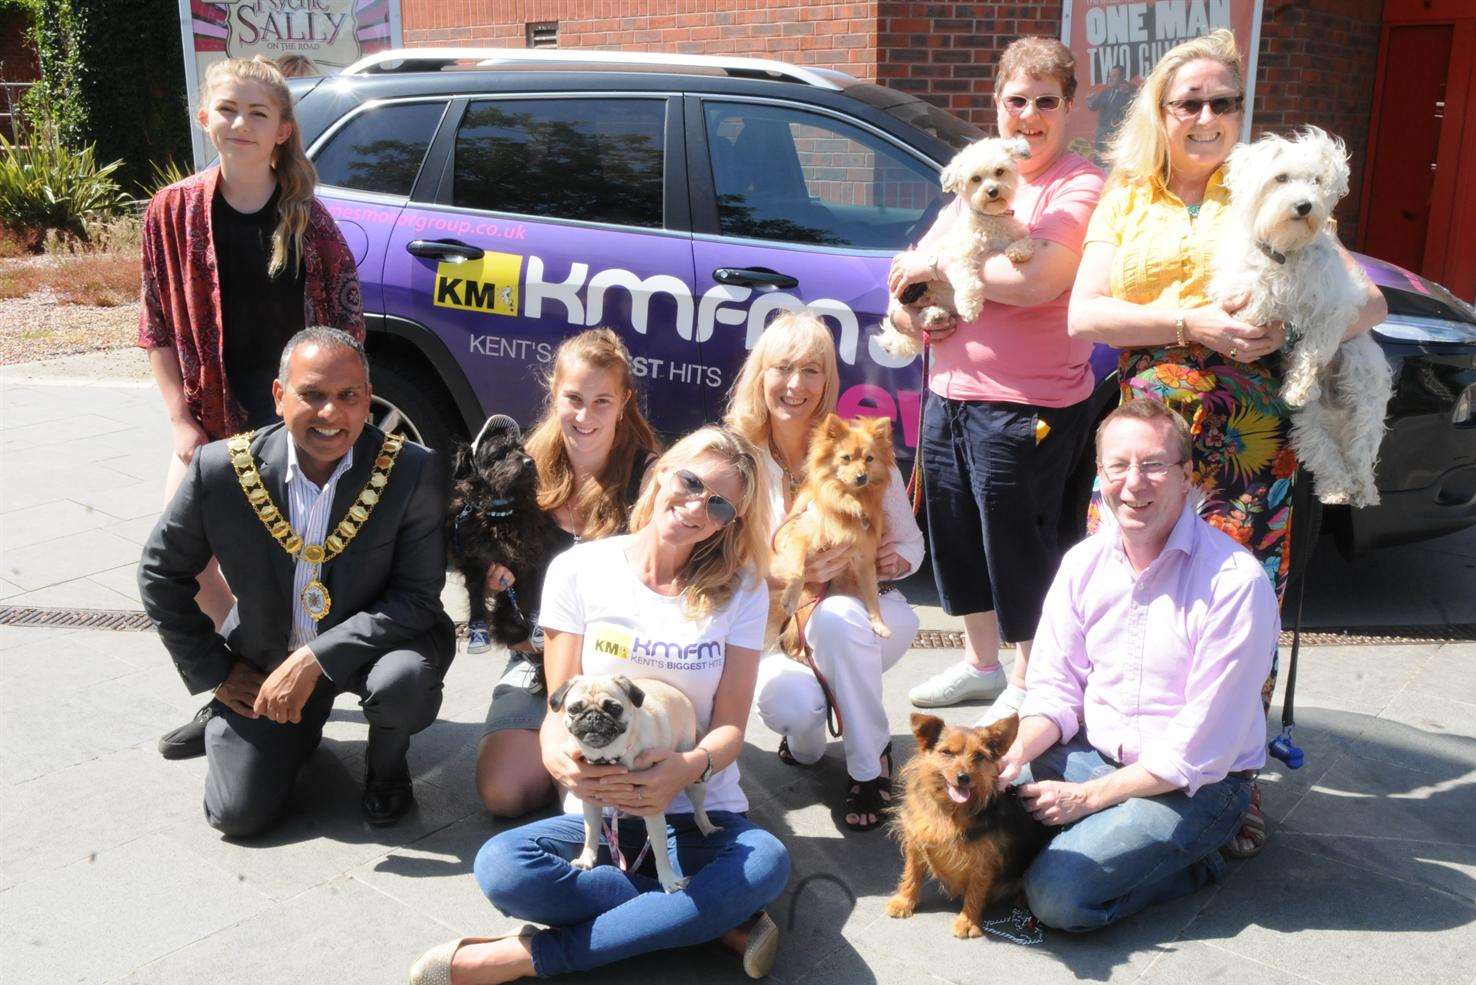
column 519, row 700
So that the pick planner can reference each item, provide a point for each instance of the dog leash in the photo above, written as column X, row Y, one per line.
column 915, row 479
column 834, row 723
column 611, row 826
column 1282, row 747
column 1020, row 927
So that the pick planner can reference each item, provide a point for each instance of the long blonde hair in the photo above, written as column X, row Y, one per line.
column 796, row 336
column 719, row 565
column 598, row 504
column 295, row 173
column 1140, row 147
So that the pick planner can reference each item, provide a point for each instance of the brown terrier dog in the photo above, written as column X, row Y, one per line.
column 952, row 823
column 846, row 472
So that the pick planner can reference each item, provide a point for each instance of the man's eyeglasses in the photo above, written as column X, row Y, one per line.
column 1043, row 104
column 719, row 510
column 1151, row 470
column 1189, row 109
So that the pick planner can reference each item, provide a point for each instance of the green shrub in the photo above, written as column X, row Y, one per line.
column 45, row 185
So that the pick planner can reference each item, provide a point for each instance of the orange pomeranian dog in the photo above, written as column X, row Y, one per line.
column 840, row 504
column 953, row 824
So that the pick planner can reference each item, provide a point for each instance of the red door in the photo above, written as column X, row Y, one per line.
column 1418, row 210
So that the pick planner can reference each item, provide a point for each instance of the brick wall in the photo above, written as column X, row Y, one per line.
column 1318, row 63
column 829, row 35
column 945, row 52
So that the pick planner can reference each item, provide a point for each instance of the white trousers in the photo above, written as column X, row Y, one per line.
column 852, row 658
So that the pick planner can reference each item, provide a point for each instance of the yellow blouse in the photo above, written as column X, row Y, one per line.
column 1163, row 256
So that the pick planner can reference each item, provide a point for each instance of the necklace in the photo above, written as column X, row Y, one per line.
column 793, row 480
column 315, row 598
column 1193, row 210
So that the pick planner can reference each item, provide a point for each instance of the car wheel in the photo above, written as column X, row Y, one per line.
column 406, row 403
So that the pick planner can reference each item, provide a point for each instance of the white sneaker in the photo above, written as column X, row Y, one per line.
column 1007, row 704
column 958, row 683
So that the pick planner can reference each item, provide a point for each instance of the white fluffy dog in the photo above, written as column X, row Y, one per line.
column 1278, row 251
column 985, row 175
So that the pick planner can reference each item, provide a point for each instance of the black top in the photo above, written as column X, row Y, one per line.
column 563, row 540
column 258, row 313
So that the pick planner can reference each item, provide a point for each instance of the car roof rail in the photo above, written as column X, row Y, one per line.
column 436, row 59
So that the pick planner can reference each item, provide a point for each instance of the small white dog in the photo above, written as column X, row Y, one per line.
column 614, row 720
column 985, row 175
column 1277, row 250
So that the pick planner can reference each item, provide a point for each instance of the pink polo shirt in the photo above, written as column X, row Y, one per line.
column 1161, row 667
column 1023, row 355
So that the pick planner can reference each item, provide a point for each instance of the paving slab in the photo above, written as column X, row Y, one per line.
column 1339, row 923
column 99, row 918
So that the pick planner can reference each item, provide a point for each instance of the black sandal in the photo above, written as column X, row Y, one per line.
column 787, row 758
column 870, row 797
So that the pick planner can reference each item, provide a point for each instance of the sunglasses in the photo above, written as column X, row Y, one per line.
column 1188, row 109
column 719, row 510
column 1043, row 104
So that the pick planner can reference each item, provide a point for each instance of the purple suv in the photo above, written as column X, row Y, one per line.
column 497, row 201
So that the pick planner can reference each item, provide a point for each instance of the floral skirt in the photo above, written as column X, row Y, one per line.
column 1243, row 460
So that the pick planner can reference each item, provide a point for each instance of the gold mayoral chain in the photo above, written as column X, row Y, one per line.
column 315, row 598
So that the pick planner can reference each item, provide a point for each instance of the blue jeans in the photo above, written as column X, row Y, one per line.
column 603, row 914
column 1114, row 863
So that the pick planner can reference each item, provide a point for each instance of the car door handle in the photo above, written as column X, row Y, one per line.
column 753, row 277
column 442, row 249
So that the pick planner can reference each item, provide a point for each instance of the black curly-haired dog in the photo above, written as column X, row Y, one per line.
column 494, row 518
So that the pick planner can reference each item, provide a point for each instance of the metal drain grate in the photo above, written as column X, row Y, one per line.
column 926, row 639
column 122, row 619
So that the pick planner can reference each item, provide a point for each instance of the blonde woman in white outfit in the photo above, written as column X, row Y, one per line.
column 788, row 383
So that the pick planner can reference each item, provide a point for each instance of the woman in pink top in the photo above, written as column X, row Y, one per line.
column 1008, row 417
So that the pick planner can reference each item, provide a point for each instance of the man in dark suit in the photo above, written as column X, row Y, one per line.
column 329, row 534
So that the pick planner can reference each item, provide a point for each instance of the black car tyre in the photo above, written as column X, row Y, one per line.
column 414, row 405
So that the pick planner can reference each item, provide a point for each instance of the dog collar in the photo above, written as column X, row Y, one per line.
column 1271, row 254
column 500, row 508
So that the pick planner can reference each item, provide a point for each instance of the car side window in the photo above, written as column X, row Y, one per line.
column 797, row 177
column 380, row 149
column 599, row 160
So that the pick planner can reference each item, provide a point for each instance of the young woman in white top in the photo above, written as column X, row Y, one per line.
column 681, row 599
column 789, row 383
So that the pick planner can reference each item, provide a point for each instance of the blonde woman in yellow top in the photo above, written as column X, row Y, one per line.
column 1141, row 287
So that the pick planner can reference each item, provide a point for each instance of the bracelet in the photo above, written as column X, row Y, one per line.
column 1179, row 331
column 706, row 773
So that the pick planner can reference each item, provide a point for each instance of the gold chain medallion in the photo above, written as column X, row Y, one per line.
column 315, row 598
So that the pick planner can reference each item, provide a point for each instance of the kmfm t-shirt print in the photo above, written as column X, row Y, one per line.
column 628, row 629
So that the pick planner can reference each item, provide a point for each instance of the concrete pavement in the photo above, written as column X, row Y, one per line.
column 108, row 872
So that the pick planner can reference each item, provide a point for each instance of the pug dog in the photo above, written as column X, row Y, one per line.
column 615, row 719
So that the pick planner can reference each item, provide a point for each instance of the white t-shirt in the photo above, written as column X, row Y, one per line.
column 629, row 629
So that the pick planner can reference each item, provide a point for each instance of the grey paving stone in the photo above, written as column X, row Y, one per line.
column 73, row 426
column 122, row 580
column 1424, row 732
column 1449, row 673
column 1196, row 961
column 79, row 593
column 324, row 833
column 99, row 918
column 124, row 500
column 136, row 530
column 24, row 487
column 14, row 636
column 433, row 876
column 22, row 528
column 64, row 558
column 9, row 590
column 1344, row 924
column 341, row 932
column 74, row 813
column 1408, row 824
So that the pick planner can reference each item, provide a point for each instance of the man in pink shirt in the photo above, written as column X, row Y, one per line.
column 1142, row 728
